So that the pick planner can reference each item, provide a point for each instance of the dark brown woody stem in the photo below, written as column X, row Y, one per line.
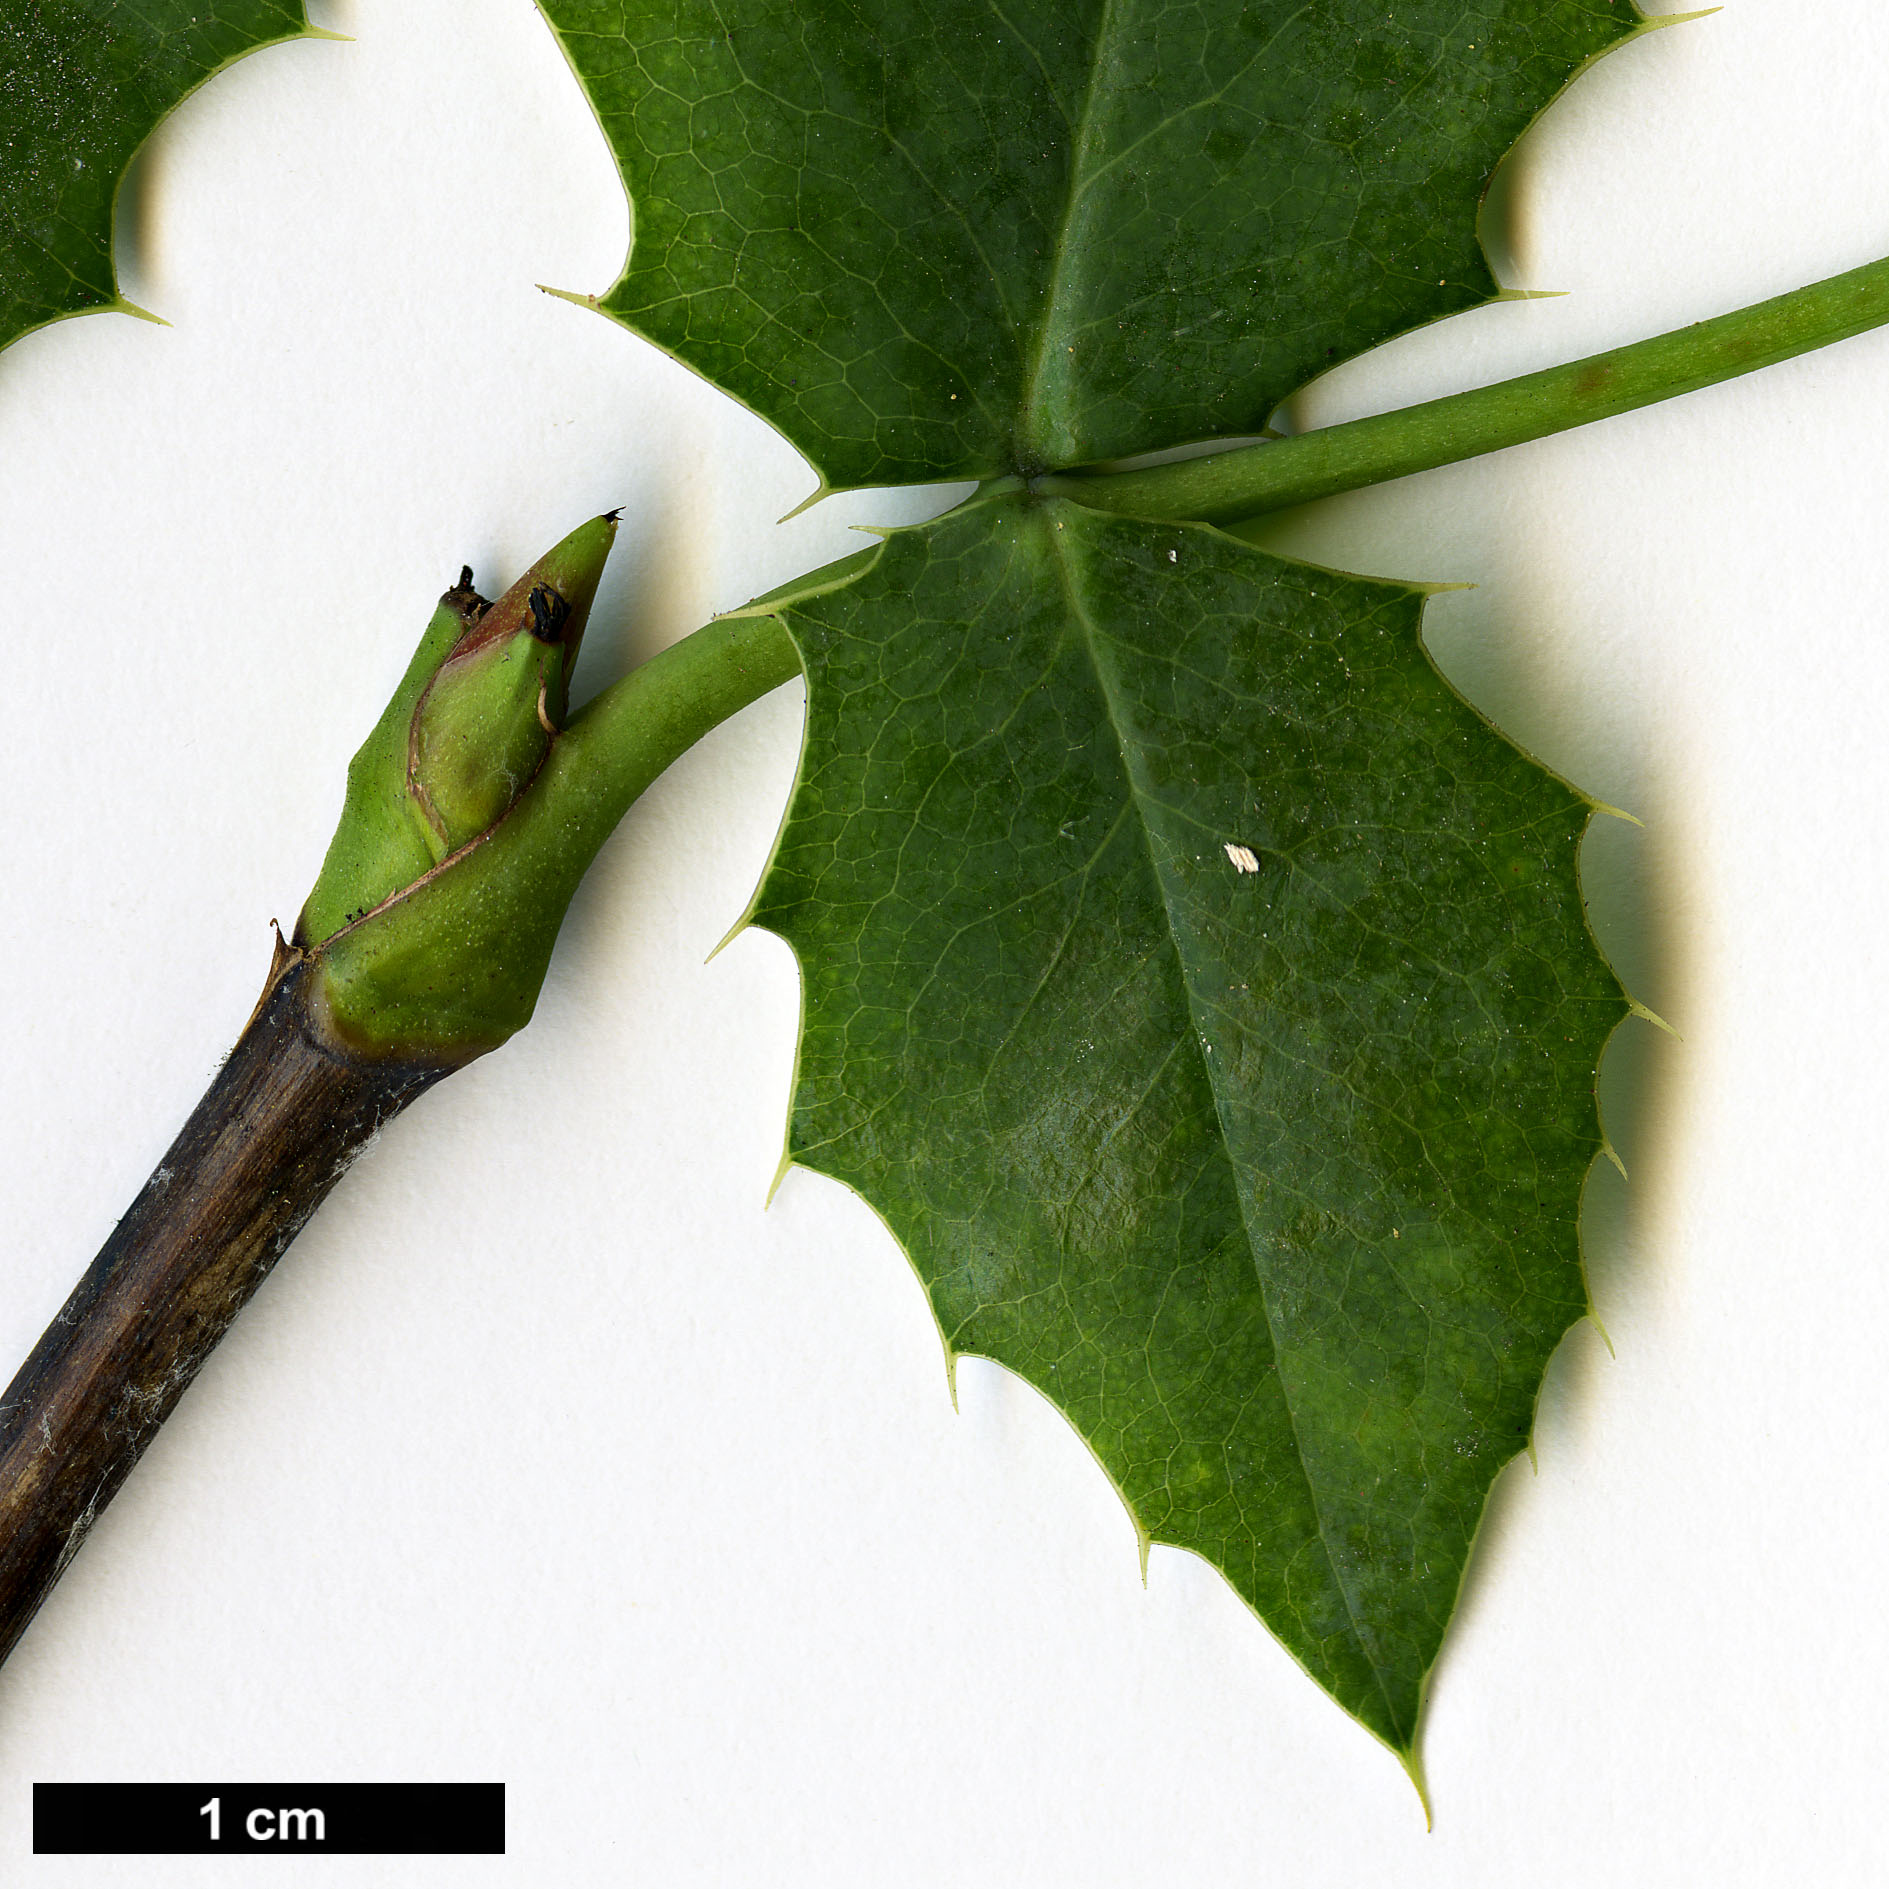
column 285, row 1115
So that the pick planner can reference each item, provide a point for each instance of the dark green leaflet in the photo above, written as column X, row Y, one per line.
column 1202, row 993
column 943, row 238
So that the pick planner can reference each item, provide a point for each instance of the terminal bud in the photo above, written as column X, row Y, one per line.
column 464, row 736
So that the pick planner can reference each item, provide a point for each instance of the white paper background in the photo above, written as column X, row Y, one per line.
column 546, row 1456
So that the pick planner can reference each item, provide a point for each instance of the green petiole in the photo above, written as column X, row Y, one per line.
column 1221, row 488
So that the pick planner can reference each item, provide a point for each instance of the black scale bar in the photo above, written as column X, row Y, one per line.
column 283, row 1819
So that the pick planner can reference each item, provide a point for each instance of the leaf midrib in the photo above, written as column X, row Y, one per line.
column 1028, row 447
column 1086, row 625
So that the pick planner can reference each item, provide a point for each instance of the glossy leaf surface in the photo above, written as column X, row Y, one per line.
column 1202, row 993
column 943, row 238
column 83, row 83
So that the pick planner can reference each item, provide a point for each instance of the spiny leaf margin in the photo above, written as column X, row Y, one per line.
column 1269, row 1179
column 82, row 87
